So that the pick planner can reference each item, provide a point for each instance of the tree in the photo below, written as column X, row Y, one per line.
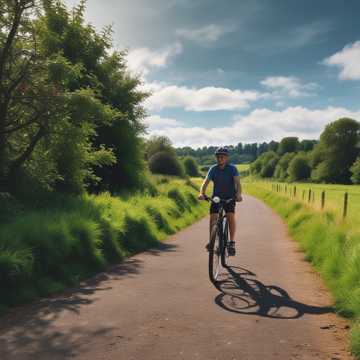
column 165, row 163
column 265, row 164
column 26, row 102
column 307, row 145
column 117, row 119
column 273, row 146
column 337, row 151
column 355, row 170
column 158, row 144
column 299, row 167
column 70, row 112
column 191, row 166
column 281, row 170
column 288, row 145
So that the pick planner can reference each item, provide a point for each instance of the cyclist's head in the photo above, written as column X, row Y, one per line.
column 222, row 155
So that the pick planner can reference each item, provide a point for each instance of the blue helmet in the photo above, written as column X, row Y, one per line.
column 222, row 151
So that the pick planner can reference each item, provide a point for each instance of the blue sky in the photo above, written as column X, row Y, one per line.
column 231, row 71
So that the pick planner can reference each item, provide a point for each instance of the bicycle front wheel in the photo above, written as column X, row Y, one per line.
column 214, row 254
column 225, row 241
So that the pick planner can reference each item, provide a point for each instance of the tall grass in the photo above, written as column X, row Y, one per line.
column 332, row 246
column 44, row 251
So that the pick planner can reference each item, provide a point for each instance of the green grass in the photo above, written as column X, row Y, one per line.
column 334, row 197
column 331, row 245
column 42, row 252
column 243, row 167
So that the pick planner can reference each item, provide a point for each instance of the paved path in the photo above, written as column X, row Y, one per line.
column 161, row 305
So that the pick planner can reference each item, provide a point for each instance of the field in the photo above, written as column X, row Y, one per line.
column 243, row 167
column 334, row 197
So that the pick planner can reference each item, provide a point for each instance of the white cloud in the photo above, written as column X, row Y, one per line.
column 260, row 125
column 348, row 60
column 289, row 86
column 141, row 60
column 205, row 34
column 198, row 99
column 155, row 122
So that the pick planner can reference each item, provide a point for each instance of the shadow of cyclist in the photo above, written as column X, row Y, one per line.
column 242, row 293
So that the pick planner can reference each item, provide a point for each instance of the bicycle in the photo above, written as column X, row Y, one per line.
column 219, row 237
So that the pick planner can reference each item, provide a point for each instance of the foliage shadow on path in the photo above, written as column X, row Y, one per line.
column 242, row 293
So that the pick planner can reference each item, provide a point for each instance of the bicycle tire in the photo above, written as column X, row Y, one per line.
column 214, row 254
column 225, row 239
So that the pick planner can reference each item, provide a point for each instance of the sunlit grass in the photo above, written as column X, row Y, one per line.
column 44, row 251
column 330, row 244
column 334, row 197
column 243, row 167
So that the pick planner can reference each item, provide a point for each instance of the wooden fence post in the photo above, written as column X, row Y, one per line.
column 346, row 196
column 313, row 196
column 309, row 197
column 323, row 200
column 303, row 196
column 295, row 191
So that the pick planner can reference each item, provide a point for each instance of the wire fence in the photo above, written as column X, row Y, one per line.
column 343, row 200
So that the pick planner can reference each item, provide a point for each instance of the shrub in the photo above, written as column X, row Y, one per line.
column 158, row 144
column 299, row 168
column 165, row 163
column 281, row 169
column 10, row 207
column 179, row 198
column 191, row 166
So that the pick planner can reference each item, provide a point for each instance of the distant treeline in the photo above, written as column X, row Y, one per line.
column 334, row 159
column 241, row 153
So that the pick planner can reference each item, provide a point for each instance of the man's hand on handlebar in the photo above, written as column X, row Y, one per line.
column 202, row 196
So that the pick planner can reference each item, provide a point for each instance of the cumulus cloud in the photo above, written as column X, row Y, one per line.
column 260, row 125
column 156, row 122
column 205, row 34
column 289, row 86
column 141, row 60
column 348, row 60
column 198, row 99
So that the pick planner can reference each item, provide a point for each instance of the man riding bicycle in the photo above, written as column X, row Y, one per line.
column 227, row 185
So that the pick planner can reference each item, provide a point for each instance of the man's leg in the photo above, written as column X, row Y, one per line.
column 232, row 228
column 232, row 225
column 213, row 219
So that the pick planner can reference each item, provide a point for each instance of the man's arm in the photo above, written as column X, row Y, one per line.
column 203, row 188
column 238, row 188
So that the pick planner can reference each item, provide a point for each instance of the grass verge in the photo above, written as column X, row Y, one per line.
column 332, row 246
column 45, row 251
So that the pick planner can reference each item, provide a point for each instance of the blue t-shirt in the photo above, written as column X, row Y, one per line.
column 223, row 179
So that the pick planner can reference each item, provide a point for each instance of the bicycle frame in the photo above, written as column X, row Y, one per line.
column 222, row 233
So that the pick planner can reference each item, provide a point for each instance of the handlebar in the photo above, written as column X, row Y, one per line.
column 217, row 200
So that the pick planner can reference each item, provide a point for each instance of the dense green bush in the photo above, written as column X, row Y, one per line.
column 281, row 169
column 265, row 164
column 158, row 144
column 191, row 166
column 299, row 167
column 165, row 163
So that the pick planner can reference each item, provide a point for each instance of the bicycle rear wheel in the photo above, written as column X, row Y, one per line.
column 225, row 241
column 214, row 254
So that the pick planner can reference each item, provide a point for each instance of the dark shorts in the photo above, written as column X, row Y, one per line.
column 229, row 208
